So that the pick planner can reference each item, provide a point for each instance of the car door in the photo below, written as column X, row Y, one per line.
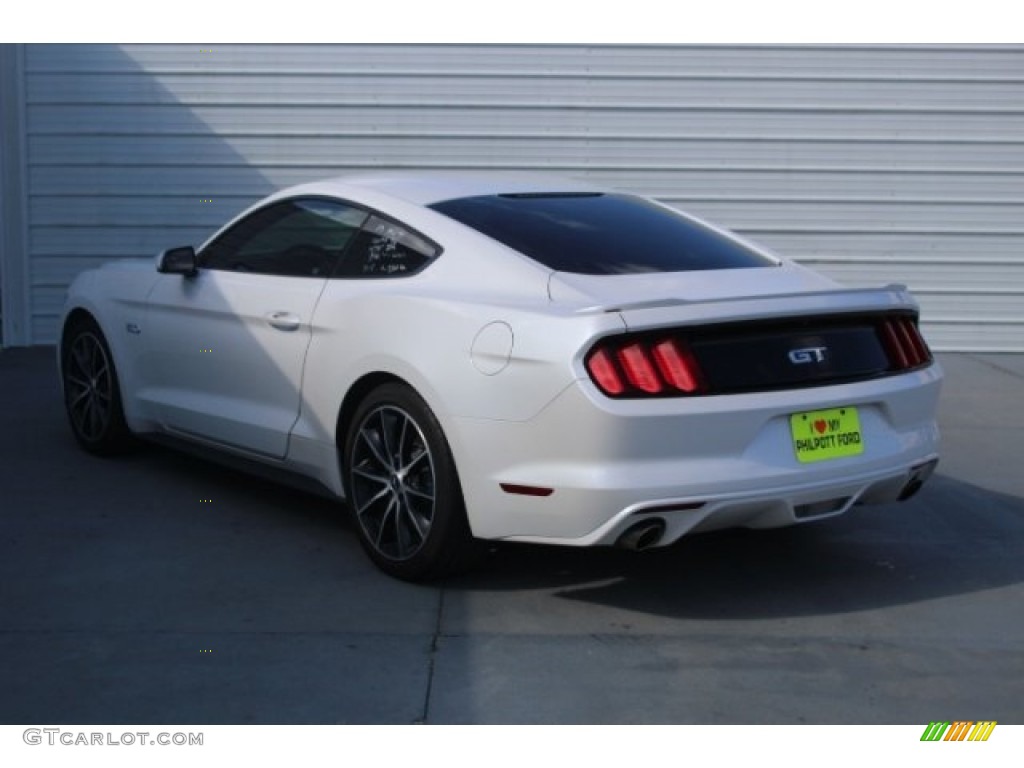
column 226, row 347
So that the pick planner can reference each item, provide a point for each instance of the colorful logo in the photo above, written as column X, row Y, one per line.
column 961, row 730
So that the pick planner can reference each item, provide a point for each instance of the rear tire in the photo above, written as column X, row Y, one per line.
column 92, row 396
column 403, row 489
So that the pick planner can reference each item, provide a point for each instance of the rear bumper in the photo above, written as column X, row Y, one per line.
column 773, row 508
column 696, row 464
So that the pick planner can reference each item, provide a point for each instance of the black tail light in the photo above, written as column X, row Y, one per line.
column 758, row 356
column 903, row 342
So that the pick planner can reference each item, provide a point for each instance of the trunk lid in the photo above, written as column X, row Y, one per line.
column 746, row 330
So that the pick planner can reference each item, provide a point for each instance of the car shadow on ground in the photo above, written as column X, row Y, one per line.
column 953, row 538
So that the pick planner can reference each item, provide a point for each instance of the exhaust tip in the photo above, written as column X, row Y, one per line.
column 642, row 535
column 911, row 489
column 918, row 476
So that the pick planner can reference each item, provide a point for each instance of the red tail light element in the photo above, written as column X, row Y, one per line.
column 677, row 366
column 903, row 343
column 602, row 371
column 627, row 367
column 639, row 370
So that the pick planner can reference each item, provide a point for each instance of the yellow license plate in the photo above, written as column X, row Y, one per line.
column 829, row 434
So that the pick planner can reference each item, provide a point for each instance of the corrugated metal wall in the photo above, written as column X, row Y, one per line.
column 875, row 164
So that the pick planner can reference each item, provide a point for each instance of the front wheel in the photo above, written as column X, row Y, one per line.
column 92, row 397
column 403, row 489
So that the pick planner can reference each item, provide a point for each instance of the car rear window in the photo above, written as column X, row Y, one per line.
column 600, row 234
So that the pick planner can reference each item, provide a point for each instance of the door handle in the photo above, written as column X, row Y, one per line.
column 284, row 321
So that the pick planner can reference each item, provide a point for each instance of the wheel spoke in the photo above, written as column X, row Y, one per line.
column 78, row 398
column 94, row 419
column 98, row 358
column 400, row 456
column 384, row 520
column 401, row 543
column 370, row 476
column 78, row 382
column 102, row 412
column 386, row 443
column 422, row 494
column 80, row 415
column 371, row 501
column 421, row 526
column 90, row 355
column 423, row 454
column 79, row 356
column 77, row 410
column 371, row 439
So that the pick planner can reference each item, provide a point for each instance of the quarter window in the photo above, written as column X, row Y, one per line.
column 386, row 249
column 293, row 238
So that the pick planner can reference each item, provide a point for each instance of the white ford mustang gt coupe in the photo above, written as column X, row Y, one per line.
column 508, row 358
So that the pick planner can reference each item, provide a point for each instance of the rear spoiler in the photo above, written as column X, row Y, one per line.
column 840, row 301
column 892, row 288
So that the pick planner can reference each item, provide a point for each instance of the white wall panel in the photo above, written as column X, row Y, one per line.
column 382, row 120
column 873, row 163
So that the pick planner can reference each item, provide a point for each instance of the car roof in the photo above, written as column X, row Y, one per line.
column 433, row 187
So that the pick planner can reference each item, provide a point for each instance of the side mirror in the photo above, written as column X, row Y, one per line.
column 178, row 261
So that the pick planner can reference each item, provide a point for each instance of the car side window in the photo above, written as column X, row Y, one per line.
column 386, row 249
column 292, row 238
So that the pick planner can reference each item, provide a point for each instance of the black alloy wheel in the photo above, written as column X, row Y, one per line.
column 402, row 487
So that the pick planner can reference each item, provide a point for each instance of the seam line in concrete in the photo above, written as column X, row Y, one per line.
column 995, row 366
column 425, row 714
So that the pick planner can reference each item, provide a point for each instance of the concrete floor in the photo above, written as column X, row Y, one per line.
column 124, row 599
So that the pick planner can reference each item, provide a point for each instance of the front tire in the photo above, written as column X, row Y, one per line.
column 403, row 489
column 92, row 397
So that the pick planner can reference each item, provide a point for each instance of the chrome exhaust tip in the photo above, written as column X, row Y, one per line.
column 642, row 535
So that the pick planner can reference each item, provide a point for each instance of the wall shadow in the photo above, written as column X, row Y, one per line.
column 120, row 165
column 123, row 167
